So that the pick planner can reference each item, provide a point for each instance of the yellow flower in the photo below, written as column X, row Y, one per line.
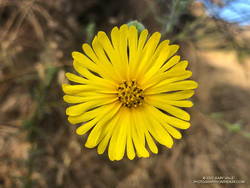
column 128, row 93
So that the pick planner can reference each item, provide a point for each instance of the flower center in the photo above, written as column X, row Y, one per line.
column 130, row 94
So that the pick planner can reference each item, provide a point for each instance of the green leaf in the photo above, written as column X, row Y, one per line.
column 139, row 26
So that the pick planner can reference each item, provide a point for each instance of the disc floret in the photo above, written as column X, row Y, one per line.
column 129, row 94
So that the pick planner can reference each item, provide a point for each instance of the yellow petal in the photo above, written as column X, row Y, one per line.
column 184, row 103
column 78, row 109
column 82, row 70
column 176, row 73
column 135, row 57
column 132, row 43
column 112, row 53
column 162, row 79
column 158, row 99
column 169, row 119
column 91, row 114
column 138, row 134
column 122, row 51
column 79, row 99
column 112, row 150
column 170, row 63
column 158, row 58
column 122, row 135
column 75, row 78
column 115, row 37
column 74, row 99
column 151, row 144
column 84, row 61
column 147, row 52
column 97, row 81
column 175, row 86
column 173, row 49
column 86, row 127
column 90, row 52
column 74, row 89
column 104, row 63
column 170, row 109
column 130, row 146
column 106, row 134
column 142, row 39
column 179, row 95
column 172, row 131
column 158, row 132
column 95, row 134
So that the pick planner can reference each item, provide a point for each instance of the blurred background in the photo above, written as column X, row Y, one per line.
column 39, row 148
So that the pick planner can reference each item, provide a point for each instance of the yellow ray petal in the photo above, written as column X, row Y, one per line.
column 78, row 99
column 140, row 124
column 122, row 51
column 155, row 62
column 75, row 78
column 142, row 39
column 172, row 131
column 112, row 150
column 122, row 135
column 94, row 93
column 157, row 131
column 78, row 109
column 95, row 134
column 105, row 70
column 83, row 71
column 97, row 81
column 119, row 64
column 104, row 63
column 169, row 119
column 148, row 51
column 179, row 95
column 90, row 52
column 163, row 52
column 87, row 126
column 176, row 73
column 157, row 76
column 184, row 103
column 78, row 89
column 84, row 61
column 74, row 89
column 106, row 134
column 107, row 46
column 74, row 99
column 139, row 54
column 175, row 86
column 151, row 144
column 112, row 53
column 170, row 63
column 158, row 99
column 177, row 112
column 138, row 134
column 130, row 146
column 167, row 79
column 89, row 114
column 115, row 35
column 123, row 45
column 132, row 43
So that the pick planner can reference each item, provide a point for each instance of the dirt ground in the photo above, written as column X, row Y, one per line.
column 38, row 147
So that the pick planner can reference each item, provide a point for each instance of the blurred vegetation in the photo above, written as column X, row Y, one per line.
column 36, row 41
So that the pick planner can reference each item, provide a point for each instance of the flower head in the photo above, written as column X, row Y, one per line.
column 128, row 93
